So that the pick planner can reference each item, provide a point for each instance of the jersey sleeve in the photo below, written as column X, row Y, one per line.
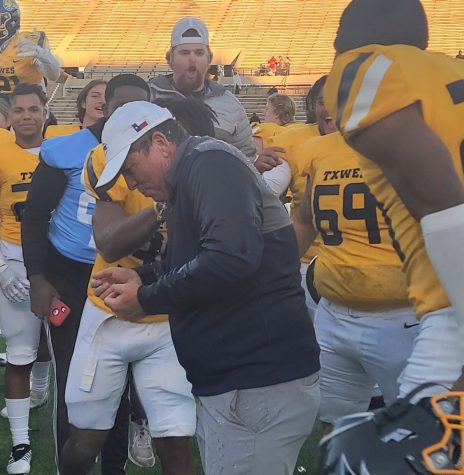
column 305, row 153
column 116, row 190
column 367, row 85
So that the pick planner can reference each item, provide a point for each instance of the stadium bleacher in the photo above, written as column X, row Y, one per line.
column 106, row 37
column 135, row 33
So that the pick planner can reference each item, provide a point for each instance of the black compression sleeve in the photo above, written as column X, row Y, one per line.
column 47, row 188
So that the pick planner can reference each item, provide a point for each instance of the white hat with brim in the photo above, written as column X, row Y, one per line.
column 125, row 126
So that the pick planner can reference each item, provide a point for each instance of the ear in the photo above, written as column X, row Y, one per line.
column 160, row 141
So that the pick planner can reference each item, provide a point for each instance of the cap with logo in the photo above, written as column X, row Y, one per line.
column 178, row 33
column 125, row 126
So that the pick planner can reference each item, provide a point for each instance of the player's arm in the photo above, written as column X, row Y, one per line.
column 46, row 189
column 302, row 218
column 41, row 56
column 117, row 234
column 45, row 192
column 414, row 160
column 279, row 178
column 268, row 158
column 419, row 167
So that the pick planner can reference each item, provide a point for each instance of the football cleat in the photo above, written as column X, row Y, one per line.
column 20, row 460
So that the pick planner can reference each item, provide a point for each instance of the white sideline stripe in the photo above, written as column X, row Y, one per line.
column 369, row 87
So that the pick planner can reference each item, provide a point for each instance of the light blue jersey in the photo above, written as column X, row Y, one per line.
column 70, row 229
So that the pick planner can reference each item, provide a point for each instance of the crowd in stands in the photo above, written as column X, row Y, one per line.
column 275, row 67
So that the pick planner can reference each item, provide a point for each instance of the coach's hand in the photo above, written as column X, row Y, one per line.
column 41, row 294
column 118, row 287
column 268, row 159
column 103, row 281
column 124, row 303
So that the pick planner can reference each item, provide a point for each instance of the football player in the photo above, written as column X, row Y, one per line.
column 402, row 108
column 59, row 253
column 279, row 115
column 90, row 103
column 24, row 56
column 364, row 323
column 21, row 329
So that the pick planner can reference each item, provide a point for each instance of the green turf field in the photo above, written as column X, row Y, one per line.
column 43, row 448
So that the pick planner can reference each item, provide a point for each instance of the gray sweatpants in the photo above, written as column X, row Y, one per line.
column 256, row 431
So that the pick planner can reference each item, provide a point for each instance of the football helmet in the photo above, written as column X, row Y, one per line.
column 401, row 439
column 9, row 19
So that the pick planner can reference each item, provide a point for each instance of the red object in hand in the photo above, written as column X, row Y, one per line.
column 59, row 311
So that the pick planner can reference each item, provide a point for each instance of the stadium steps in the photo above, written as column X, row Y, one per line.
column 135, row 33
column 64, row 108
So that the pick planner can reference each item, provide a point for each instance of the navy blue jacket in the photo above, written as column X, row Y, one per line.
column 232, row 287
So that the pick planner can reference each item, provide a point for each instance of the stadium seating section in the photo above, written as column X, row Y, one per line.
column 135, row 33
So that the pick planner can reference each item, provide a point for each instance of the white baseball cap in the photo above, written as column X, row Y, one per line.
column 125, row 126
column 185, row 24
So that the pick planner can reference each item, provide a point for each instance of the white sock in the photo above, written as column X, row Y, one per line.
column 18, row 415
column 39, row 376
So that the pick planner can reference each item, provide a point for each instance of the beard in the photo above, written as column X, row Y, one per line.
column 191, row 80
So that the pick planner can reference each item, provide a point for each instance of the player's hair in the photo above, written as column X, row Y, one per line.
column 283, row 106
column 125, row 80
column 23, row 89
column 195, row 116
column 81, row 98
column 314, row 92
column 384, row 22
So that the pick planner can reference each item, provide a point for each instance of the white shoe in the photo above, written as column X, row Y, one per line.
column 20, row 460
column 38, row 399
column 140, row 451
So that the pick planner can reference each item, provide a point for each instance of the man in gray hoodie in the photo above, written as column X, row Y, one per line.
column 190, row 58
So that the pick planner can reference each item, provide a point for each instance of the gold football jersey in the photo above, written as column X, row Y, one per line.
column 16, row 168
column 60, row 130
column 372, row 82
column 14, row 69
column 290, row 139
column 356, row 264
column 267, row 130
column 131, row 201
